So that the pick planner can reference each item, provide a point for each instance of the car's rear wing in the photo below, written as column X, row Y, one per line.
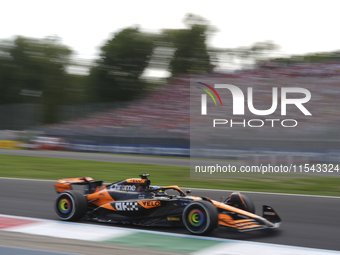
column 66, row 183
column 76, row 180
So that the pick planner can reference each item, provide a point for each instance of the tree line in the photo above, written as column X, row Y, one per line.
column 35, row 70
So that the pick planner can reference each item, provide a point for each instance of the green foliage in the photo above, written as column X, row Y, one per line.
column 310, row 58
column 191, row 52
column 34, row 71
column 123, row 60
column 77, row 91
column 9, row 92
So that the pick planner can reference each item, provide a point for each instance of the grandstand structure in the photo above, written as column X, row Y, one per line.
column 162, row 117
column 165, row 110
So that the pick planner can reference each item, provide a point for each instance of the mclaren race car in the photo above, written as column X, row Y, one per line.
column 134, row 201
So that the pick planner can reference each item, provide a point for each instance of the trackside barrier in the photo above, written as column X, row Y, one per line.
column 132, row 149
column 9, row 144
column 247, row 155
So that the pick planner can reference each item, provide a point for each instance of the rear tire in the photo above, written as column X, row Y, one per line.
column 70, row 205
column 200, row 217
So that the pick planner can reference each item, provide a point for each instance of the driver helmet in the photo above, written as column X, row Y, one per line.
column 159, row 192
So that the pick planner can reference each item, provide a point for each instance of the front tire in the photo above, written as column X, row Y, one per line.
column 70, row 205
column 240, row 201
column 200, row 217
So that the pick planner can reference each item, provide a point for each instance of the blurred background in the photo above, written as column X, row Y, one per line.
column 116, row 78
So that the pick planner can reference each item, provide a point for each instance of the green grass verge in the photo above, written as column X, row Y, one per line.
column 53, row 169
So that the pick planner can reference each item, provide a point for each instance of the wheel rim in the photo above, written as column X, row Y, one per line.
column 64, row 206
column 196, row 218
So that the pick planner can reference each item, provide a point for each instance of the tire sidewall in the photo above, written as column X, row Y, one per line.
column 249, row 204
column 207, row 213
column 73, row 206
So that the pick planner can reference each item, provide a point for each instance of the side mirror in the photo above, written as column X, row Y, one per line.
column 188, row 192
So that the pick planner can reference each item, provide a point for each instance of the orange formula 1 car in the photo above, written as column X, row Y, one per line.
column 134, row 201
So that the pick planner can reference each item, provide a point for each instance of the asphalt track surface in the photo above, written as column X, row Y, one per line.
column 307, row 221
column 18, row 251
